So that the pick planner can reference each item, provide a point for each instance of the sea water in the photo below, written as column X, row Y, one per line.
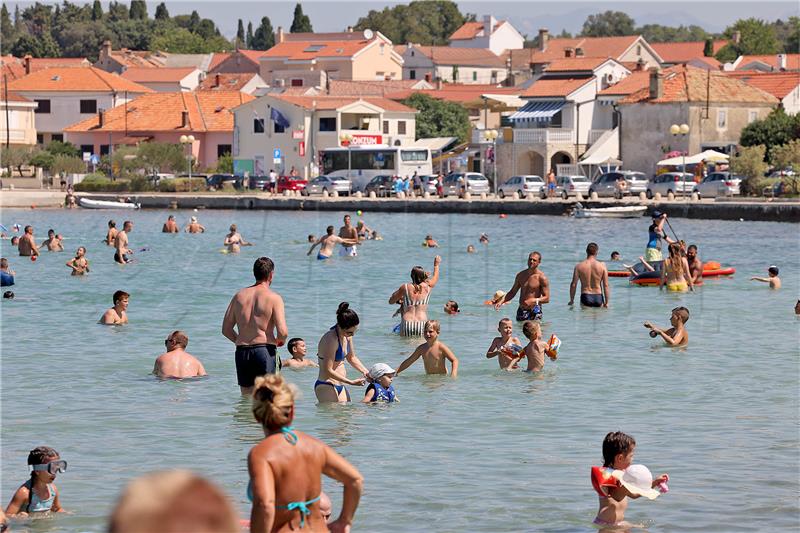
column 488, row 451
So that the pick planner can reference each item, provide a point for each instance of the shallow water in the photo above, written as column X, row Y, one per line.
column 490, row 451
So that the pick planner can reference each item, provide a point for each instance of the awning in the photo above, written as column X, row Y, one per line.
column 708, row 155
column 604, row 151
column 435, row 144
column 504, row 102
column 538, row 111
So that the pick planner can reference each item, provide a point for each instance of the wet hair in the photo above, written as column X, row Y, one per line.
column 428, row 237
column 112, row 224
column 82, row 248
column 329, row 230
column 262, row 268
column 3, row 263
column 8, row 295
column 537, row 254
column 614, row 254
column 345, row 217
column 126, row 223
column 180, row 338
column 530, row 327
column 29, row 227
column 503, row 321
column 273, row 400
column 171, row 217
column 233, row 227
column 51, row 231
column 682, row 313
column 345, row 317
column 592, row 248
column 14, row 241
column 434, row 324
column 119, row 295
column 292, row 343
column 692, row 247
column 773, row 270
column 453, row 305
column 418, row 277
column 40, row 455
column 311, row 238
column 614, row 444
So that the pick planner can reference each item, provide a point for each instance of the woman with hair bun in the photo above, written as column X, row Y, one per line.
column 334, row 347
column 413, row 299
column 286, row 468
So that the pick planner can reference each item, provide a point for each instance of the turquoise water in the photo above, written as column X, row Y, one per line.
column 490, row 451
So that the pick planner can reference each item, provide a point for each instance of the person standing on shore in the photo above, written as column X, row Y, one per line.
column 27, row 243
column 551, row 184
column 593, row 276
column 348, row 233
column 121, row 244
column 170, row 226
column 111, row 235
column 534, row 289
column 413, row 299
column 256, row 324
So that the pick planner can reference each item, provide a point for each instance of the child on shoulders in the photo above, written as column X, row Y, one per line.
column 39, row 494
column 297, row 349
column 433, row 353
column 506, row 348
column 380, row 388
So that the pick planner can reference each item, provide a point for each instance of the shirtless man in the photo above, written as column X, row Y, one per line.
column 328, row 241
column 534, row 290
column 117, row 314
column 53, row 242
column 234, row 241
column 695, row 265
column 593, row 276
column 170, row 226
column 194, row 226
column 257, row 314
column 112, row 233
column 27, row 245
column 177, row 363
column 348, row 233
column 121, row 244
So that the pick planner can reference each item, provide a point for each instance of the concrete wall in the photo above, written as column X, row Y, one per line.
column 22, row 122
column 639, row 51
column 791, row 102
column 376, row 62
column 65, row 107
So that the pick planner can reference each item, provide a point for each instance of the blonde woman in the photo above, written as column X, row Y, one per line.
column 675, row 273
column 286, row 468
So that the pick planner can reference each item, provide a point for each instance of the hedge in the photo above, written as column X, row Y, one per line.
column 182, row 185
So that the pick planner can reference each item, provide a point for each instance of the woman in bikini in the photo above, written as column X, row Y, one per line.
column 413, row 298
column 334, row 347
column 675, row 271
column 286, row 468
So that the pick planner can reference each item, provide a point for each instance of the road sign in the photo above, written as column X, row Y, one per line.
column 276, row 153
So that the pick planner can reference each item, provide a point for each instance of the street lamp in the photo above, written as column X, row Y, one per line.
column 491, row 136
column 188, row 140
column 682, row 131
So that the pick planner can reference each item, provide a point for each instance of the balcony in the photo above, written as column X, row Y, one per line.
column 594, row 136
column 543, row 136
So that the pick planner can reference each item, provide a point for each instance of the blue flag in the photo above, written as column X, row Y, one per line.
column 278, row 117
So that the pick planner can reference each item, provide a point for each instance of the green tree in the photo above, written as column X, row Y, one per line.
column 206, row 29
column 756, row 37
column 608, row 24
column 157, row 157
column 225, row 164
column 786, row 155
column 182, row 41
column 656, row 33
column 300, row 23
column 64, row 164
column 117, row 11
column 84, row 39
column 38, row 19
column 138, row 10
column 43, row 46
column 6, row 30
column 423, row 22
column 437, row 118
column 749, row 162
column 708, row 47
column 194, row 21
column 97, row 10
column 15, row 157
column 240, row 33
column 17, row 19
column 161, row 12
column 791, row 42
column 42, row 159
column 63, row 148
column 264, row 38
column 249, row 37
column 776, row 129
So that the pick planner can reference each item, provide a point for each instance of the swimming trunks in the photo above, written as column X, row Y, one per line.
column 381, row 394
column 36, row 504
column 124, row 259
column 323, row 257
column 6, row 279
column 529, row 314
column 253, row 361
column 677, row 286
column 653, row 254
column 348, row 251
column 592, row 300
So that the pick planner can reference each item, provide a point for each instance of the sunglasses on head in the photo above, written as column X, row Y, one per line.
column 53, row 467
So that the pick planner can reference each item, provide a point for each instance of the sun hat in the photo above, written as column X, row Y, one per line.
column 379, row 370
column 638, row 480
column 194, row 219
column 498, row 295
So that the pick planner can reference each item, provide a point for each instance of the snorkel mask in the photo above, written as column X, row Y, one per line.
column 53, row 467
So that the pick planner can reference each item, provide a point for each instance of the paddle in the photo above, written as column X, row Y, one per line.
column 673, row 230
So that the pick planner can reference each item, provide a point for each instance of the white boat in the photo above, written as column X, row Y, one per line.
column 627, row 211
column 106, row 204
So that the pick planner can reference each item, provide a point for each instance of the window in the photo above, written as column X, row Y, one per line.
column 89, row 107
column 297, row 82
column 105, row 149
column 327, row 124
column 278, row 128
column 258, row 125
column 412, row 55
column 752, row 116
column 57, row 137
column 43, row 107
column 382, row 48
column 223, row 149
column 412, row 74
column 722, row 119
column 494, row 76
column 401, row 127
column 474, row 75
column 386, row 127
column 413, row 155
column 39, row 138
column 87, row 148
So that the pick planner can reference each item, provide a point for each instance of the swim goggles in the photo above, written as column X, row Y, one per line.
column 52, row 467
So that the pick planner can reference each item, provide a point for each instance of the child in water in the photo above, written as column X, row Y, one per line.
column 79, row 264
column 617, row 480
column 677, row 334
column 297, row 349
column 773, row 279
column 535, row 349
column 506, row 348
column 430, row 242
column 433, row 353
column 380, row 388
column 39, row 494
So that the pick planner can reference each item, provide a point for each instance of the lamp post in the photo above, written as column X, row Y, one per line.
column 491, row 136
column 188, row 140
column 682, row 131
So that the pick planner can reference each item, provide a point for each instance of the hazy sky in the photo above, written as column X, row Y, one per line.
column 527, row 17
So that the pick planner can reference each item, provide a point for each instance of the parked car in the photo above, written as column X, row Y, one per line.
column 606, row 184
column 291, row 183
column 718, row 184
column 258, row 182
column 476, row 183
column 429, row 183
column 381, row 185
column 670, row 182
column 218, row 180
column 521, row 186
column 567, row 186
column 329, row 184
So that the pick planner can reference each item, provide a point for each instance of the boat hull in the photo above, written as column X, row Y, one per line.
column 611, row 212
column 88, row 203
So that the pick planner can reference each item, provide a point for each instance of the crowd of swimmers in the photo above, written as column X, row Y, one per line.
column 285, row 468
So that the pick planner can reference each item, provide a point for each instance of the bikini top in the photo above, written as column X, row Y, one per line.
column 340, row 353
column 601, row 478
column 409, row 303
column 38, row 505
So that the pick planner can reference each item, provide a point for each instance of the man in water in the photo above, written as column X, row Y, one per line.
column 27, row 245
column 328, row 241
column 534, row 289
column 593, row 276
column 194, row 226
column 348, row 233
column 170, row 226
column 53, row 242
column 177, row 363
column 121, row 244
column 256, row 313
column 695, row 265
column 117, row 314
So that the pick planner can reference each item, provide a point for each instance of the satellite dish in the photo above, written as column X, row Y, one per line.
column 368, row 34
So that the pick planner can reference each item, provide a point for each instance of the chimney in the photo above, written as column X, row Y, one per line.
column 101, row 116
column 544, row 36
column 488, row 25
column 640, row 64
column 184, row 118
column 428, row 77
column 349, row 29
column 279, row 37
column 438, row 84
column 217, row 80
column 579, row 52
column 656, row 83
column 105, row 50
column 782, row 61
column 569, row 51
column 27, row 62
column 737, row 37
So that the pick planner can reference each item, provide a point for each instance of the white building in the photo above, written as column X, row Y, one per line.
column 452, row 65
column 495, row 35
column 165, row 80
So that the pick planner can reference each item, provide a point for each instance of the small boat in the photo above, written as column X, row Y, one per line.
column 626, row 211
column 106, row 204
column 711, row 269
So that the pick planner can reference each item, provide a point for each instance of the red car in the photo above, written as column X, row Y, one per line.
column 291, row 183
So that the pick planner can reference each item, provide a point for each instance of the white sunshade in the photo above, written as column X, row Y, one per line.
column 707, row 155
column 435, row 144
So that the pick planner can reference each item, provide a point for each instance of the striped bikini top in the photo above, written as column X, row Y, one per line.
column 408, row 303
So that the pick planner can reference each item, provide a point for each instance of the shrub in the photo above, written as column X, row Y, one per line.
column 100, row 183
column 182, row 185
column 140, row 184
